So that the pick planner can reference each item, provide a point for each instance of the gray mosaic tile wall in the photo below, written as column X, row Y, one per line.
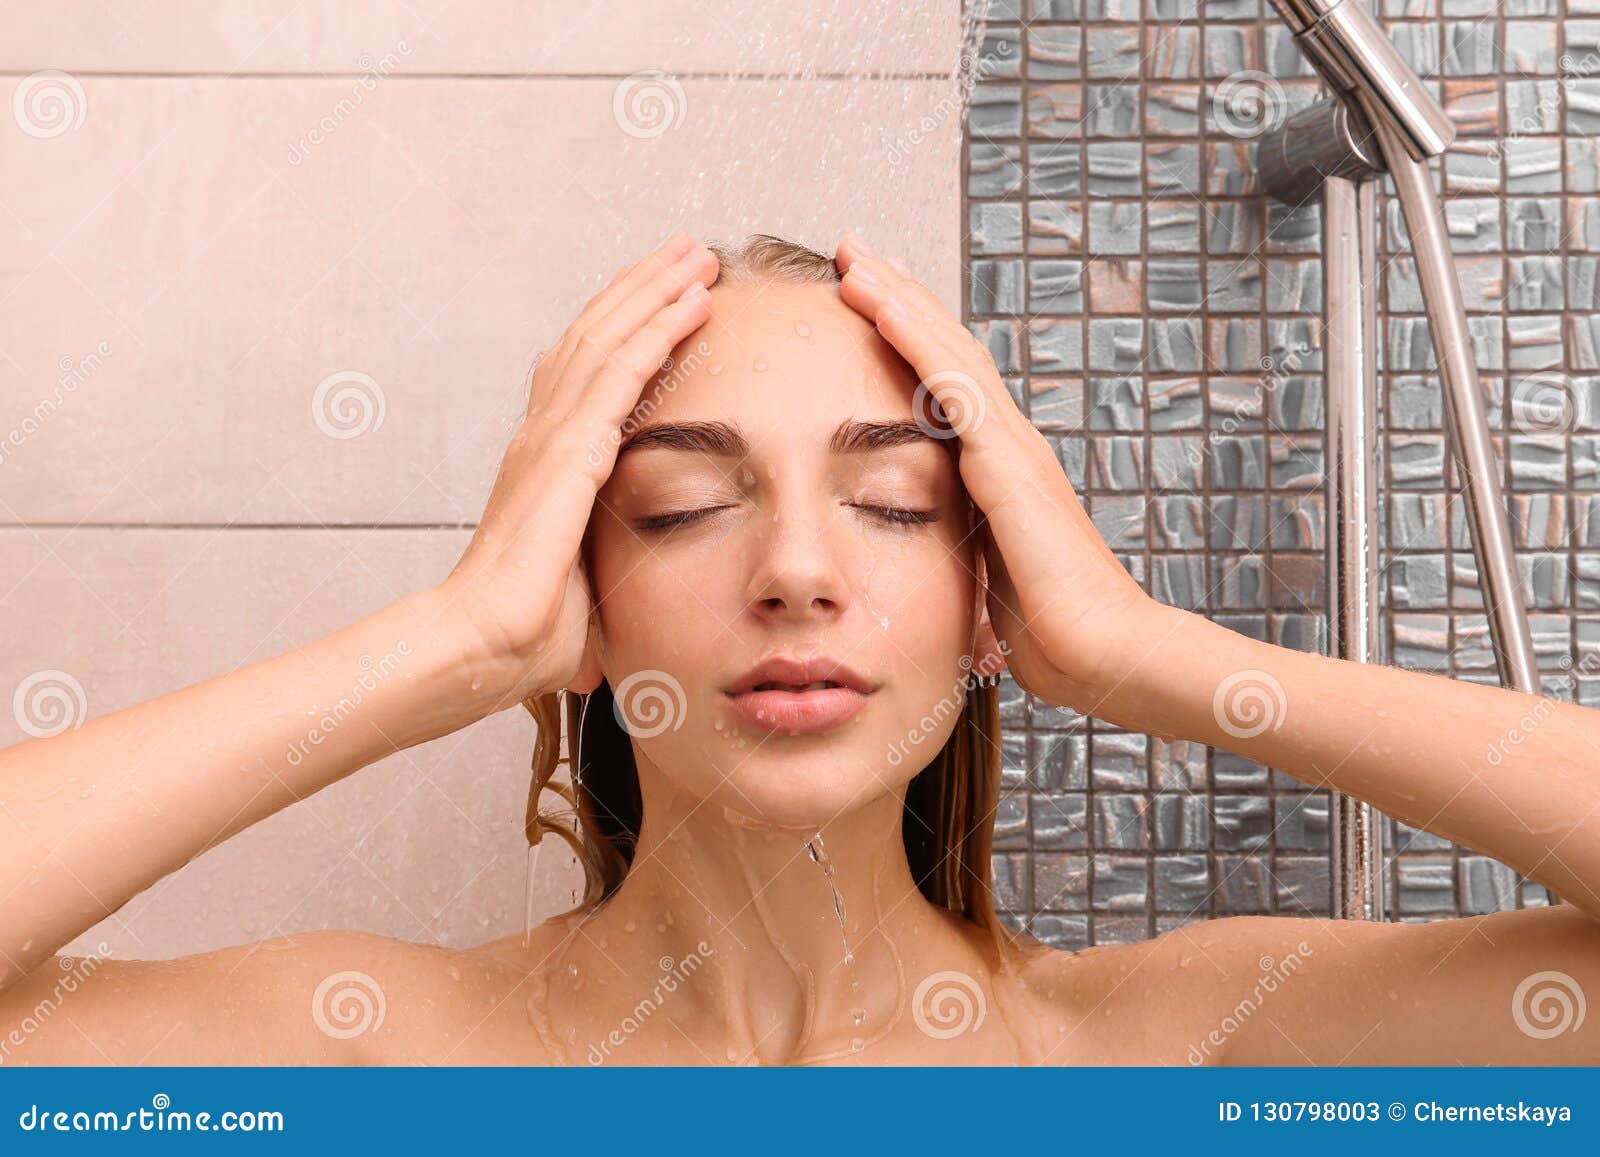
column 1159, row 319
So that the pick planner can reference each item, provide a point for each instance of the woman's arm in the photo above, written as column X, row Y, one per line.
column 94, row 816
column 1511, row 775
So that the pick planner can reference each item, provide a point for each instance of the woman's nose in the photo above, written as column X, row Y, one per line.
column 799, row 572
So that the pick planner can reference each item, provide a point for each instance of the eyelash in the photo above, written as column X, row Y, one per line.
column 893, row 515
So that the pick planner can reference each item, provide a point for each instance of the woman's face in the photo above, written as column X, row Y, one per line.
column 776, row 501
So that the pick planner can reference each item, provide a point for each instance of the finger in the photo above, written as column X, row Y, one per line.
column 633, row 310
column 884, row 281
column 852, row 245
column 959, row 387
column 1009, row 469
column 626, row 280
column 614, row 393
column 668, row 252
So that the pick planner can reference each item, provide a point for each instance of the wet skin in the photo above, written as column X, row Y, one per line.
column 803, row 540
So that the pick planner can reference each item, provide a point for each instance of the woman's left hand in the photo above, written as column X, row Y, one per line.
column 1058, row 598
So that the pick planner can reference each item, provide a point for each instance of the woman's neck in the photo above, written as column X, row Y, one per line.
column 779, row 945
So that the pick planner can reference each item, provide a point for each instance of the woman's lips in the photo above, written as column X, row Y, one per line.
column 798, row 712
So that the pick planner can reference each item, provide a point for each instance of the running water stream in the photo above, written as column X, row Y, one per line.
column 819, row 856
column 908, row 119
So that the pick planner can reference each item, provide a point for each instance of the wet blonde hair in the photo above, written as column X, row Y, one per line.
column 948, row 821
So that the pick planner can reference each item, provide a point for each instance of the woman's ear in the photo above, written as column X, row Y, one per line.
column 591, row 669
column 589, row 674
column 988, row 656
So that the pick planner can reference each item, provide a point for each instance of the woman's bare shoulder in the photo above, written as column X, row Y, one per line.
column 327, row 997
column 1147, row 1001
column 1291, row 990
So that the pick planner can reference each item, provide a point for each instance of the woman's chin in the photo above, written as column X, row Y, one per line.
column 797, row 800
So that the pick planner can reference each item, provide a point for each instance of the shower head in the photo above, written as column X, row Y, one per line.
column 1352, row 53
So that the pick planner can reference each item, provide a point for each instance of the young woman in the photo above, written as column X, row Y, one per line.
column 761, row 537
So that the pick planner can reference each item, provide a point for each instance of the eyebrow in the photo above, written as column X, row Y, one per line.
column 724, row 439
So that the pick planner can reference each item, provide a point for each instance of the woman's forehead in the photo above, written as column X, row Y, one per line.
column 783, row 351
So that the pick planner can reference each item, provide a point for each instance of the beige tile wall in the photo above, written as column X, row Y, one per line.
column 184, row 263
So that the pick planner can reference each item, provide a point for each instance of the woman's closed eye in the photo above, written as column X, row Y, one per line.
column 676, row 518
column 898, row 516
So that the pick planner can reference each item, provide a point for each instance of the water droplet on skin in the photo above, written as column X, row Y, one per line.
column 760, row 365
column 802, row 329
column 455, row 973
column 477, row 684
column 629, row 926
column 733, row 1053
column 858, row 1014
column 714, row 370
column 856, row 1045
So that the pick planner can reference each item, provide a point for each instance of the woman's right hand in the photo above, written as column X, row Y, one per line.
column 520, row 584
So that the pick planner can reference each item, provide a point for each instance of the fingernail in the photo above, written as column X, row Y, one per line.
column 862, row 274
column 860, row 243
column 693, row 292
